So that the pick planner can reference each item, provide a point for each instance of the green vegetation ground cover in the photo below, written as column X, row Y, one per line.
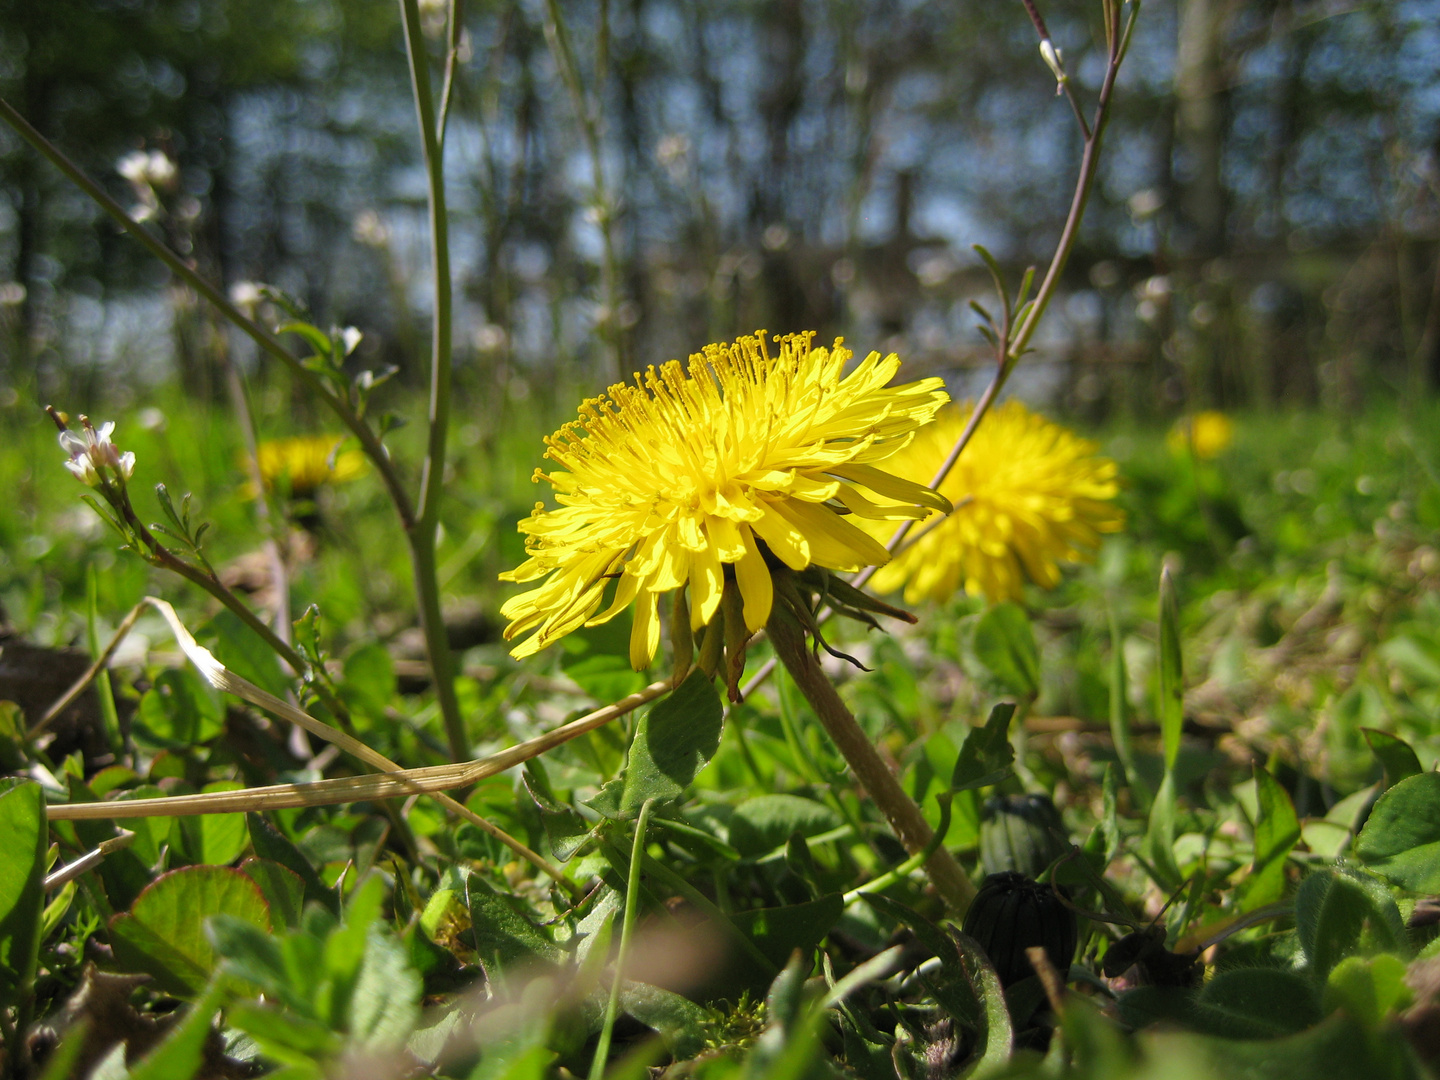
column 1306, row 571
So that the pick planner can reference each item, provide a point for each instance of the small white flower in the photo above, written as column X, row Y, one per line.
column 91, row 451
column 133, row 166
column 350, row 337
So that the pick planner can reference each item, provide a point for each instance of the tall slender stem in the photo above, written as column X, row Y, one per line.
column 950, row 881
column 423, row 532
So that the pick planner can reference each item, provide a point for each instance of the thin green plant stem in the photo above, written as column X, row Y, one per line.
column 422, row 534
column 267, row 341
column 627, row 931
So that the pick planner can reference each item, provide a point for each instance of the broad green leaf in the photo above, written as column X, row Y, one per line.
column 1003, row 645
column 1337, row 914
column 760, row 825
column 163, row 934
column 1256, row 1003
column 181, row 710
column 214, row 839
column 1242, row 1003
column 1172, row 673
column 673, row 742
column 1277, row 830
column 503, row 934
column 1395, row 755
column 1401, row 839
column 678, row 1021
column 1370, row 989
column 22, row 879
column 987, row 754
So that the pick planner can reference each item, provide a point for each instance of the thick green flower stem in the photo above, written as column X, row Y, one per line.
column 422, row 530
column 950, row 881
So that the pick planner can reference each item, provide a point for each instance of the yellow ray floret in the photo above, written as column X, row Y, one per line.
column 1207, row 435
column 307, row 462
column 1029, row 494
column 710, row 468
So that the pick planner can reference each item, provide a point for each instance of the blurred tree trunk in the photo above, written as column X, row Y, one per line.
column 1200, row 123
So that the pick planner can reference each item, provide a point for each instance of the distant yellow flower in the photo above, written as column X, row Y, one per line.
column 699, row 472
column 1029, row 494
column 306, row 462
column 1208, row 434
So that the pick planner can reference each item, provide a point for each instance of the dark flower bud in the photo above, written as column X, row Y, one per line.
column 1012, row 913
column 1022, row 833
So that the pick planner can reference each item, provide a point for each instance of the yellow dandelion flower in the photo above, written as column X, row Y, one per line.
column 712, row 469
column 305, row 461
column 1029, row 494
column 1207, row 434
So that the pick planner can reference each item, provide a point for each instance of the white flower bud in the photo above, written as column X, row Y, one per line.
column 1054, row 60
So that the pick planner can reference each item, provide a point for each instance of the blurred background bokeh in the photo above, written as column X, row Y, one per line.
column 1264, row 231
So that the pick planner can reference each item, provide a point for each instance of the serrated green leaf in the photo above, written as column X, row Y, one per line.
column 673, row 742
column 986, row 756
column 1401, row 838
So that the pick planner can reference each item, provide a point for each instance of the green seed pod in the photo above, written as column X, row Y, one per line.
column 1010, row 914
column 1022, row 833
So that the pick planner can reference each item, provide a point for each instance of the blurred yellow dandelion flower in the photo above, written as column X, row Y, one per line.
column 306, row 462
column 1208, row 434
column 1029, row 494
column 713, row 469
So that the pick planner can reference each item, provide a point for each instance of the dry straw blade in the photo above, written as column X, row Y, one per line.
column 391, row 782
